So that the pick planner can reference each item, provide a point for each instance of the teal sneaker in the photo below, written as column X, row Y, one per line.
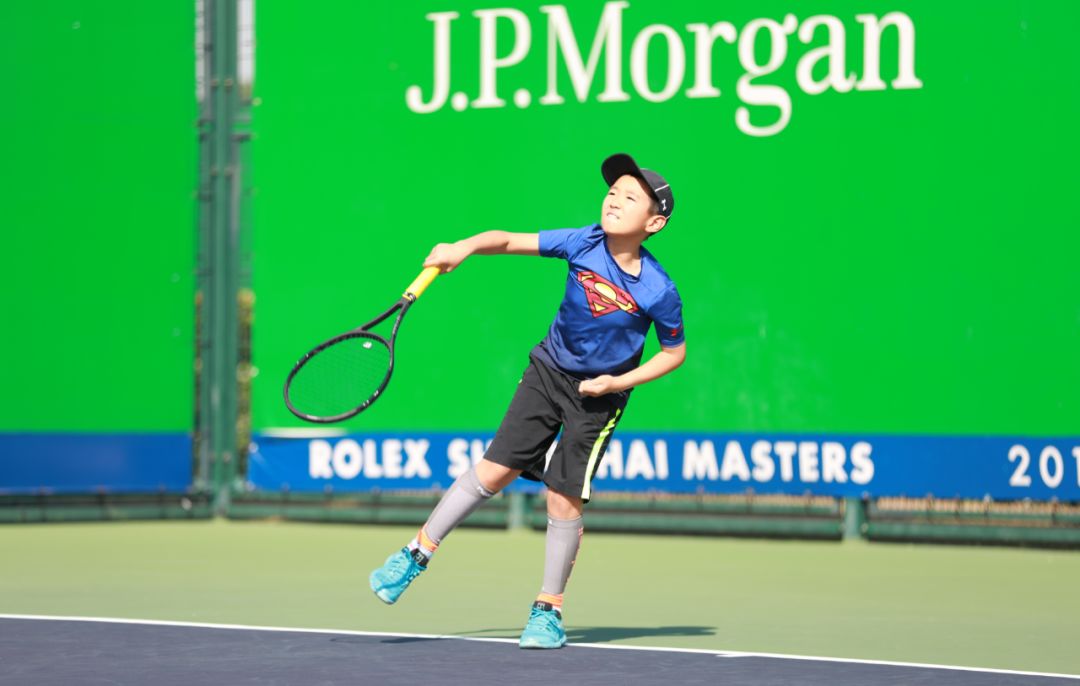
column 399, row 570
column 544, row 629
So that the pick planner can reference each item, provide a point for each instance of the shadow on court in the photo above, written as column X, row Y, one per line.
column 602, row 634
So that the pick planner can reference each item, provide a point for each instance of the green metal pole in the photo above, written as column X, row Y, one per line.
column 517, row 516
column 219, row 252
column 854, row 519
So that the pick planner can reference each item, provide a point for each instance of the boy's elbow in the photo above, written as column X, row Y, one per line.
column 678, row 355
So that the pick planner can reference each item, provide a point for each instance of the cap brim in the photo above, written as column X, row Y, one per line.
column 619, row 165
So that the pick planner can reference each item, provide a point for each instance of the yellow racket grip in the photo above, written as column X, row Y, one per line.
column 420, row 284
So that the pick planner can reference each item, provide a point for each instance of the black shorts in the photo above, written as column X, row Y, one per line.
column 546, row 401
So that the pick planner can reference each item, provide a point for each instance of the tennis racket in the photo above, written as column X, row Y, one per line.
column 343, row 376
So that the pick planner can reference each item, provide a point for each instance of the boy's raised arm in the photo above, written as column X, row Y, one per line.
column 447, row 256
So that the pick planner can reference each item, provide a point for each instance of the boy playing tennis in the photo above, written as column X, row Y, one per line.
column 579, row 378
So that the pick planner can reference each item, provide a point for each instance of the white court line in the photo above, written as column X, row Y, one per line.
column 303, row 432
column 701, row 651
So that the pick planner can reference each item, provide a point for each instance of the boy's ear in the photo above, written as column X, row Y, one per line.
column 655, row 223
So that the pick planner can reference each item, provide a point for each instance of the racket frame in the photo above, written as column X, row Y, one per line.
column 401, row 307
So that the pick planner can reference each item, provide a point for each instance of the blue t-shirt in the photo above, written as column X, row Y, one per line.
column 606, row 313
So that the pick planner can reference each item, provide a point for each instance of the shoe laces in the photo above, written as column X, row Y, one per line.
column 404, row 564
column 547, row 619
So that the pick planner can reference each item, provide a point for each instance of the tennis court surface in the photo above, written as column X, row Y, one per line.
column 46, row 651
column 264, row 602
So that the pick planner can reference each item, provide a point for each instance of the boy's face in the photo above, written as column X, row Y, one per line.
column 627, row 209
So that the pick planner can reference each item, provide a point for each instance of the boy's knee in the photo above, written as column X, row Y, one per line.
column 562, row 506
column 493, row 476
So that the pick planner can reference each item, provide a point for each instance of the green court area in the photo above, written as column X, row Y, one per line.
column 987, row 607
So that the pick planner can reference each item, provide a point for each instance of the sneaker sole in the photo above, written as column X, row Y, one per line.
column 533, row 644
column 380, row 593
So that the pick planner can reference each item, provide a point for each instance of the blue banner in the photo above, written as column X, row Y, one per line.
column 1003, row 468
column 94, row 463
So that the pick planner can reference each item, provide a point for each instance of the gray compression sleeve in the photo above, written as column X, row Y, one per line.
column 465, row 495
column 563, row 541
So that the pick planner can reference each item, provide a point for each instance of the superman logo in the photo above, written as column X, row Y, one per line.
column 605, row 297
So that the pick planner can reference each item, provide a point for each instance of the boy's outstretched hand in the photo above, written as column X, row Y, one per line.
column 446, row 256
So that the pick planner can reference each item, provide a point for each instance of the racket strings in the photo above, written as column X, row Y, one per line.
column 340, row 377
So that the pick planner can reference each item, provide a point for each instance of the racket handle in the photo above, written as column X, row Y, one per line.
column 420, row 284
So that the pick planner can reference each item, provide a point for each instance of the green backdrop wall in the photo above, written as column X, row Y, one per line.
column 98, row 174
column 875, row 233
column 896, row 258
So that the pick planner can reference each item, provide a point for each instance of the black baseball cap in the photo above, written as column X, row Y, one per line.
column 621, row 164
